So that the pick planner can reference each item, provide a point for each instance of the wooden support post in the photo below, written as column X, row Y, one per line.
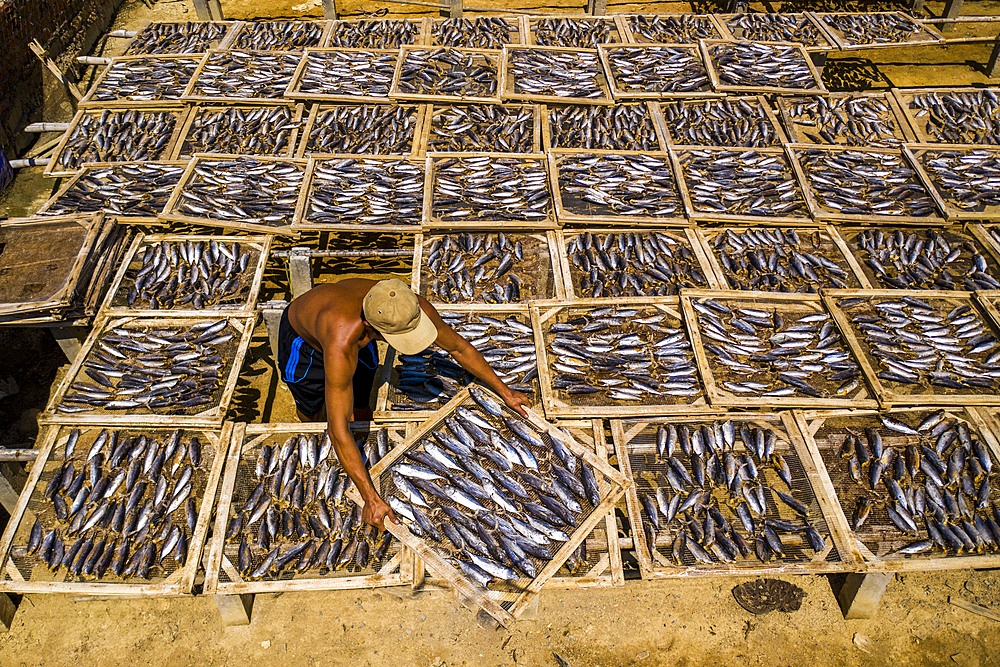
column 455, row 9
column 8, row 500
column 861, row 593
column 819, row 60
column 597, row 7
column 994, row 64
column 952, row 8
column 917, row 6
column 43, row 55
column 70, row 340
column 300, row 271
column 7, row 611
column 235, row 609
column 272, row 320
column 329, row 10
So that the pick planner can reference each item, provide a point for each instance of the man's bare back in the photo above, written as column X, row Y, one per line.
column 331, row 314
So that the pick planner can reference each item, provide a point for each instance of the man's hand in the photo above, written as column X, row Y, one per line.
column 375, row 511
column 517, row 402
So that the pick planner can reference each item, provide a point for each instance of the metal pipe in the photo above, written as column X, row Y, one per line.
column 369, row 252
column 47, row 127
column 8, row 454
column 123, row 34
column 967, row 40
column 93, row 60
column 30, row 162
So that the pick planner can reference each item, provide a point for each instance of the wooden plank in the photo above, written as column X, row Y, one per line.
column 120, row 66
column 977, row 609
column 234, row 609
column 43, row 55
column 508, row 81
column 924, row 35
column 485, row 59
column 861, row 593
column 804, row 125
column 710, row 46
column 267, row 35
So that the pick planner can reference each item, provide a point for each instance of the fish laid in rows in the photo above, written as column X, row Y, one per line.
column 771, row 259
column 884, row 28
column 608, row 355
column 290, row 515
column 370, row 129
column 924, row 479
column 723, row 492
column 929, row 345
column 607, row 184
column 490, row 494
column 762, row 352
column 118, row 136
column 350, row 73
column 672, row 28
column 428, row 380
column 243, row 190
column 186, row 37
column 564, row 74
column 959, row 117
column 574, row 33
column 850, row 120
column 661, row 69
column 382, row 34
column 449, row 73
column 166, row 370
column 188, row 274
column 265, row 130
column 279, row 35
column 120, row 506
column 858, row 182
column 625, row 127
column 482, row 32
column 633, row 264
column 488, row 188
column 926, row 259
column 761, row 65
column 246, row 74
column 747, row 182
column 482, row 128
column 726, row 122
column 364, row 191
column 491, row 268
column 149, row 79
column 758, row 27
column 123, row 190
column 968, row 180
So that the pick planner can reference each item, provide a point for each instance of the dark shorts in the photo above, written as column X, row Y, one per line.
column 301, row 367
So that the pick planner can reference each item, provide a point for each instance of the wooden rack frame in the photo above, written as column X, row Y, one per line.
column 434, row 110
column 88, row 101
column 220, row 44
column 419, row 115
column 619, row 93
column 916, row 153
column 825, row 44
column 420, row 37
column 293, row 90
column 707, row 53
column 191, row 94
column 178, row 150
column 625, row 26
column 655, row 120
column 508, row 81
column 905, row 96
column 516, row 34
column 531, row 27
column 798, row 133
column 245, row 26
column 927, row 34
column 489, row 55
column 759, row 100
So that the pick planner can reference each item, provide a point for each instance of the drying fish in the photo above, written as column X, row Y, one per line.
column 365, row 191
column 245, row 74
column 672, row 28
column 959, row 117
column 490, row 268
column 265, row 130
column 625, row 127
column 384, row 34
column 968, row 180
column 483, row 32
column 375, row 129
column 243, row 189
column 739, row 121
column 118, row 136
column 564, row 74
column 139, row 189
column 928, row 259
column 661, row 69
column 574, row 33
column 482, row 128
column 734, row 182
column 447, row 72
column 633, row 264
column 279, row 35
column 146, row 79
column 875, row 28
column 762, row 65
column 490, row 188
column 186, row 37
column 606, row 184
column 761, row 27
column 346, row 73
column 850, row 120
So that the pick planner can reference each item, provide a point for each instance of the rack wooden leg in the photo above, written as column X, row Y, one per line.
column 329, row 10
column 861, row 593
column 952, row 8
column 70, row 340
column 235, row 609
column 272, row 320
column 300, row 271
column 992, row 67
column 455, row 9
column 7, row 611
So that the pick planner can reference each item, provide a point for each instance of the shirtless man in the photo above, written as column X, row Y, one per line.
column 327, row 356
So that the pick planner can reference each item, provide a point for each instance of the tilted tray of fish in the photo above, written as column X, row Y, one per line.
column 913, row 485
column 849, row 119
column 284, row 521
column 728, row 494
column 965, row 181
column 755, row 185
column 616, row 188
column 241, row 130
column 115, row 135
column 776, row 259
column 141, row 80
column 346, row 75
column 157, row 369
column 280, row 35
column 573, row 33
column 376, row 34
column 469, row 190
column 732, row 121
column 237, row 191
column 622, row 356
column 492, row 502
column 796, row 27
column 481, row 32
column 988, row 237
column 553, row 74
column 184, row 274
column 610, row 263
column 921, row 347
column 655, row 71
column 366, row 129
column 356, row 192
column 115, row 511
column 444, row 73
column 953, row 115
column 623, row 127
column 935, row 259
column 879, row 29
column 761, row 67
column 772, row 350
column 672, row 28
column 182, row 37
column 418, row 384
column 866, row 185
column 132, row 191
column 486, row 268
column 474, row 128
column 243, row 75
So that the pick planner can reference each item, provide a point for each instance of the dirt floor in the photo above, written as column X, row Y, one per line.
column 676, row 622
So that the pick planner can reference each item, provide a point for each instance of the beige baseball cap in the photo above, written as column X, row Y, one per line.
column 394, row 311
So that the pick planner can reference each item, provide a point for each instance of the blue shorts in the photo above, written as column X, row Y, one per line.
column 301, row 368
